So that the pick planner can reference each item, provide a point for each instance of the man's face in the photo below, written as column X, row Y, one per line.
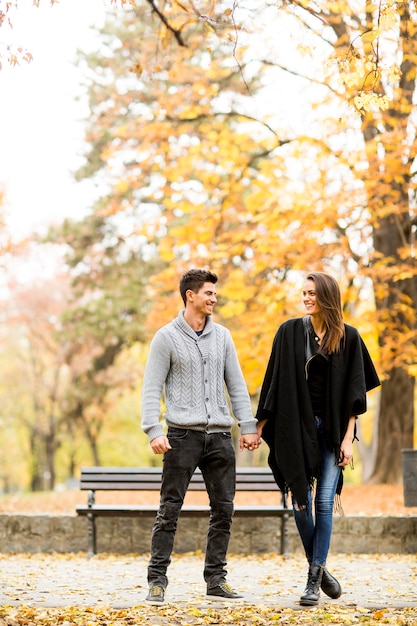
column 204, row 300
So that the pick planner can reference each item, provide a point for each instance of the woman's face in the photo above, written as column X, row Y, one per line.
column 309, row 297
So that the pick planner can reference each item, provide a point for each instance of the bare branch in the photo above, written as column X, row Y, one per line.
column 176, row 33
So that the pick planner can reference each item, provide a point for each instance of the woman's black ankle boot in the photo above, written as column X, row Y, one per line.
column 311, row 593
column 330, row 585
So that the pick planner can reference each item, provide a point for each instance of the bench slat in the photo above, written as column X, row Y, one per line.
column 131, row 471
column 147, row 510
column 147, row 486
column 138, row 479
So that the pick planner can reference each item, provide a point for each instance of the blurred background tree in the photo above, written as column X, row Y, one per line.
column 103, row 319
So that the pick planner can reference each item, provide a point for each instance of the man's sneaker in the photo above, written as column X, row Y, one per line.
column 223, row 591
column 156, row 595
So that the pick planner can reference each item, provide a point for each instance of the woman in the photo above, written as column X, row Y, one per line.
column 315, row 385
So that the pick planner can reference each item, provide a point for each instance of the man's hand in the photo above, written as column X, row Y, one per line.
column 160, row 445
column 250, row 442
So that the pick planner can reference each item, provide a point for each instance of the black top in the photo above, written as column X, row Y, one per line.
column 317, row 370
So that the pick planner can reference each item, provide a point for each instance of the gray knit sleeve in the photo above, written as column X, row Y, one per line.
column 156, row 371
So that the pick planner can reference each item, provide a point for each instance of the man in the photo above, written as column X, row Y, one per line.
column 190, row 361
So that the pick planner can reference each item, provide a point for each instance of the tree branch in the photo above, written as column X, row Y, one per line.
column 165, row 22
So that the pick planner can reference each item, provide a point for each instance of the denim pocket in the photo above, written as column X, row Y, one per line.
column 177, row 433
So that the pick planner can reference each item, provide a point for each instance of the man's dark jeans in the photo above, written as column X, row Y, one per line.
column 214, row 455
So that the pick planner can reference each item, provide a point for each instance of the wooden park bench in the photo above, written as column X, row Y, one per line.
column 95, row 479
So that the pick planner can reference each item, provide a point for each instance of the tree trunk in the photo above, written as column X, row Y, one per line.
column 50, row 449
column 34, row 463
column 92, row 440
column 395, row 427
column 396, row 302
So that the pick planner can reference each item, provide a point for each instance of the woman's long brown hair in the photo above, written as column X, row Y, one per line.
column 330, row 302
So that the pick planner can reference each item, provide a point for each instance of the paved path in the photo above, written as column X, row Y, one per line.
column 369, row 581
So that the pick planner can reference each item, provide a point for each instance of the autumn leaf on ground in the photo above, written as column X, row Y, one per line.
column 173, row 616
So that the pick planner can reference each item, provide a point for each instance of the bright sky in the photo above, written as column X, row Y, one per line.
column 40, row 120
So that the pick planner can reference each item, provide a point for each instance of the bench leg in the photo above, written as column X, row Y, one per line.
column 284, row 534
column 92, row 536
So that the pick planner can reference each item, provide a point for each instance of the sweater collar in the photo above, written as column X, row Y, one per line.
column 186, row 328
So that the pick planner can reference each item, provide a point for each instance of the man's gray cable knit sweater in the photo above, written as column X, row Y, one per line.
column 192, row 371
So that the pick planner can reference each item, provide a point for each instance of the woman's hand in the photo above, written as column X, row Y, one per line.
column 346, row 447
column 260, row 427
column 346, row 453
column 250, row 442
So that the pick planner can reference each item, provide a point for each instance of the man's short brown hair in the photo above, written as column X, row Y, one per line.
column 194, row 279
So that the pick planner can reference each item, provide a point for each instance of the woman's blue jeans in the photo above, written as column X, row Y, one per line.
column 215, row 456
column 316, row 533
